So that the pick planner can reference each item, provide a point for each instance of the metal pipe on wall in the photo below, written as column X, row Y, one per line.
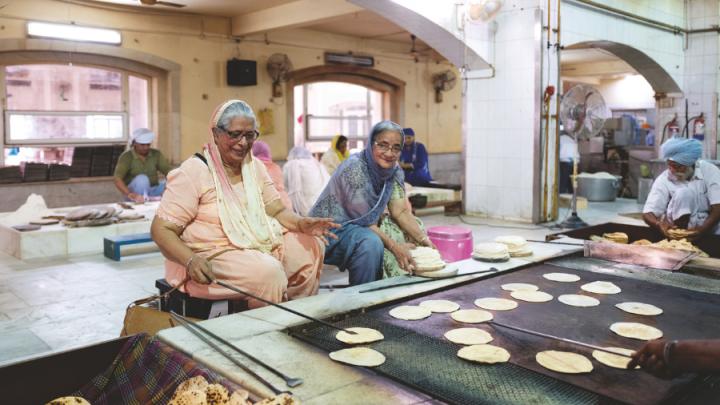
column 558, row 48
column 546, row 107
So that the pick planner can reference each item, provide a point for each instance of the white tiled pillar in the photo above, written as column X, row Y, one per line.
column 502, row 122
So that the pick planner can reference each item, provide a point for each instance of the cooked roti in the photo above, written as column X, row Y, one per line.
column 519, row 287
column 362, row 335
column 471, row 316
column 468, row 336
column 612, row 360
column 562, row 277
column 486, row 354
column 531, row 296
column 601, row 287
column 564, row 362
column 410, row 312
column 441, row 306
column 634, row 330
column 496, row 304
column 638, row 308
column 577, row 300
column 359, row 356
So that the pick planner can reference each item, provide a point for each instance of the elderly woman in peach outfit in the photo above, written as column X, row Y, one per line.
column 221, row 218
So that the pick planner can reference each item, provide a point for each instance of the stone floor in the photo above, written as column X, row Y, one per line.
column 48, row 305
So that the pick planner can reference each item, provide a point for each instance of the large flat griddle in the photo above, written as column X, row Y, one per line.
column 420, row 357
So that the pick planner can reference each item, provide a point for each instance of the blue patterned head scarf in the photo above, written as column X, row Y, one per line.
column 360, row 190
column 682, row 151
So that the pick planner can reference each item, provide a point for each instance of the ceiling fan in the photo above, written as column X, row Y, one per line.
column 160, row 3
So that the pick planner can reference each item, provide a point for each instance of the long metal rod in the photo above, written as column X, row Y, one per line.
column 573, row 342
column 290, row 381
column 235, row 361
column 428, row 280
column 292, row 311
column 556, row 243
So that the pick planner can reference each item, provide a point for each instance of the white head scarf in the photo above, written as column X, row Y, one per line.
column 142, row 136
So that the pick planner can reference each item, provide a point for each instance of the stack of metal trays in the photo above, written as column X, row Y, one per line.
column 34, row 171
column 58, row 172
column 10, row 174
column 82, row 157
column 101, row 161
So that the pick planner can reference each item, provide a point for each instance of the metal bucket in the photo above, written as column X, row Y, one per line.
column 598, row 189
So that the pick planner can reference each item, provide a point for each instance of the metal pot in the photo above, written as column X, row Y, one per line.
column 598, row 189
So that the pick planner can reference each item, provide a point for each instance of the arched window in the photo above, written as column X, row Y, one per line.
column 335, row 99
column 51, row 108
column 327, row 108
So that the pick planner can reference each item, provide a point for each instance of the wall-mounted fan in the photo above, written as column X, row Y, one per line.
column 161, row 3
column 583, row 114
column 483, row 10
column 278, row 66
column 443, row 81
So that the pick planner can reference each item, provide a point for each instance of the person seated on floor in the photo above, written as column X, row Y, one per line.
column 304, row 178
column 261, row 150
column 687, row 194
column 337, row 153
column 221, row 218
column 414, row 160
column 671, row 359
column 357, row 195
column 136, row 172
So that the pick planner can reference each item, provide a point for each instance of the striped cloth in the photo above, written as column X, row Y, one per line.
column 146, row 371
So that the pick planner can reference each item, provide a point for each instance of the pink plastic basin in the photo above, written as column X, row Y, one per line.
column 454, row 242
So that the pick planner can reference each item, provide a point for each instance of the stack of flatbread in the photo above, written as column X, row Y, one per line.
column 197, row 391
column 98, row 216
column 426, row 259
column 491, row 252
column 617, row 237
column 517, row 245
column 679, row 244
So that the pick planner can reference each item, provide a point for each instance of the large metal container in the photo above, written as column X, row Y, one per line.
column 597, row 188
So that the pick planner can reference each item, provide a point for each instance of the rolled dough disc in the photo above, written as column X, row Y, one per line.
column 519, row 287
column 638, row 308
column 442, row 306
column 471, row 316
column 359, row 356
column 487, row 354
column 445, row 272
column 531, row 296
column 410, row 312
column 45, row 222
column 612, row 360
column 522, row 253
column 601, row 287
column 496, row 304
column 363, row 335
column 577, row 300
column 562, row 277
column 468, row 336
column 634, row 330
column 564, row 362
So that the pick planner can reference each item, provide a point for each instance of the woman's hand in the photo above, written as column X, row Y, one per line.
column 403, row 256
column 320, row 227
column 200, row 270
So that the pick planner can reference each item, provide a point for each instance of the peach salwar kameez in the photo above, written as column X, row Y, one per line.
column 291, row 270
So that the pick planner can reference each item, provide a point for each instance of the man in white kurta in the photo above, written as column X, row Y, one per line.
column 687, row 194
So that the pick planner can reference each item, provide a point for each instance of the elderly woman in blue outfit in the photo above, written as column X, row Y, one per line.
column 357, row 195
column 687, row 194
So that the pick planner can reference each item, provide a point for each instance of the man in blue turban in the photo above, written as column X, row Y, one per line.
column 414, row 160
column 687, row 194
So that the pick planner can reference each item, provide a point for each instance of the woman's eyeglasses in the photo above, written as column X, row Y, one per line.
column 249, row 136
column 384, row 147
